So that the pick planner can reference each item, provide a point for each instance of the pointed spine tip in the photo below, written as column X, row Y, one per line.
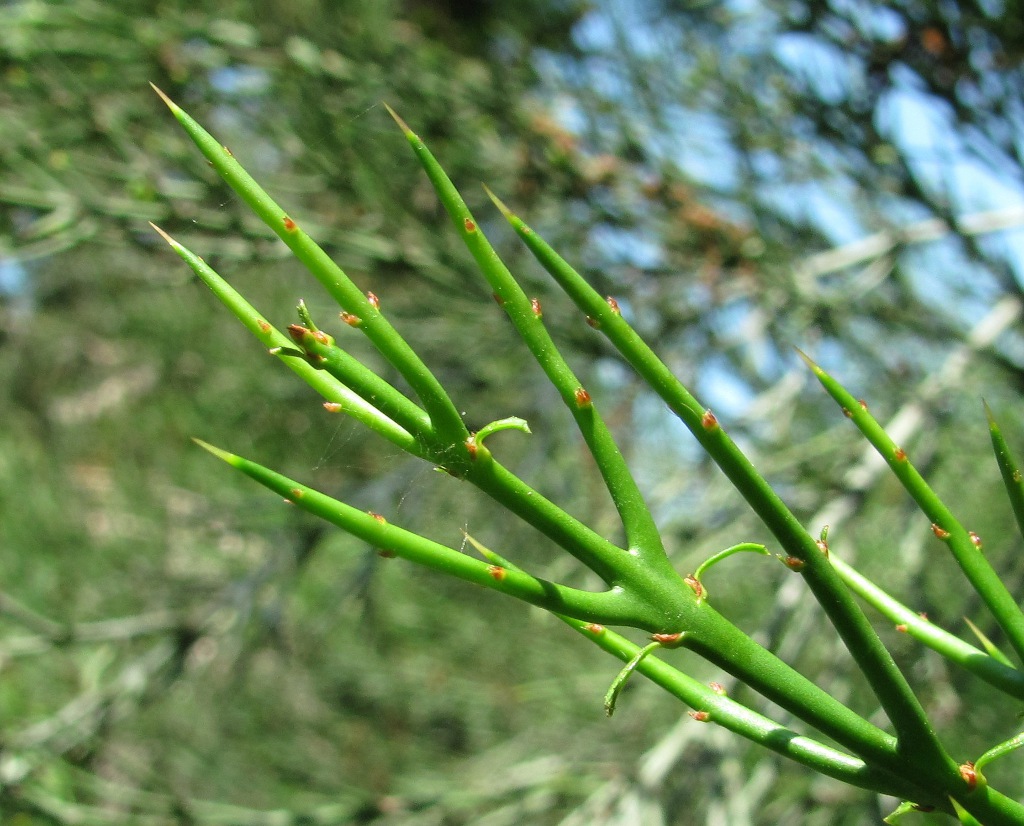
column 401, row 123
column 990, row 416
column 498, row 202
column 170, row 103
column 230, row 458
column 809, row 362
column 165, row 236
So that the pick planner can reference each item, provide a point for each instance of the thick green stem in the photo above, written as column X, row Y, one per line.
column 898, row 700
column 722, row 643
column 711, row 705
column 663, row 598
column 729, row 714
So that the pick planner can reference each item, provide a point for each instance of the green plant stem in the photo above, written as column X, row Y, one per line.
column 714, row 637
column 742, row 547
column 1009, row 469
column 953, row 648
column 991, row 808
column 642, row 536
column 444, row 416
column 601, row 555
column 327, row 355
column 274, row 340
column 741, row 720
column 611, row 607
column 722, row 643
column 979, row 572
column 735, row 717
column 1000, row 750
column 915, row 733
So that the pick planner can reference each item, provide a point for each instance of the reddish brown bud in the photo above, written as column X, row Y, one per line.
column 900, row 454
column 296, row 493
column 669, row 640
column 379, row 517
column 469, row 225
column 374, row 301
column 333, row 407
column 709, row 421
column 923, row 615
column 289, row 224
column 718, row 688
column 385, row 553
column 497, row 572
column 583, row 398
column 498, row 299
column 695, row 585
column 594, row 628
column 229, row 153
column 593, row 322
column 535, row 306
column 264, row 326
column 975, row 539
column 471, row 446
column 700, row 716
column 350, row 319
column 863, row 404
column 902, row 628
column 941, row 533
column 969, row 774
column 847, row 413
column 792, row 562
column 297, row 332
column 614, row 305
column 822, row 546
column 323, row 338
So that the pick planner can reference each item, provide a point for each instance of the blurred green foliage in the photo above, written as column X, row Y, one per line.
column 264, row 663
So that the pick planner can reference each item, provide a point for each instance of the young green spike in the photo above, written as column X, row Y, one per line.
column 1009, row 468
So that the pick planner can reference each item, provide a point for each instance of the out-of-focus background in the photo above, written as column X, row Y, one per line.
column 178, row 648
